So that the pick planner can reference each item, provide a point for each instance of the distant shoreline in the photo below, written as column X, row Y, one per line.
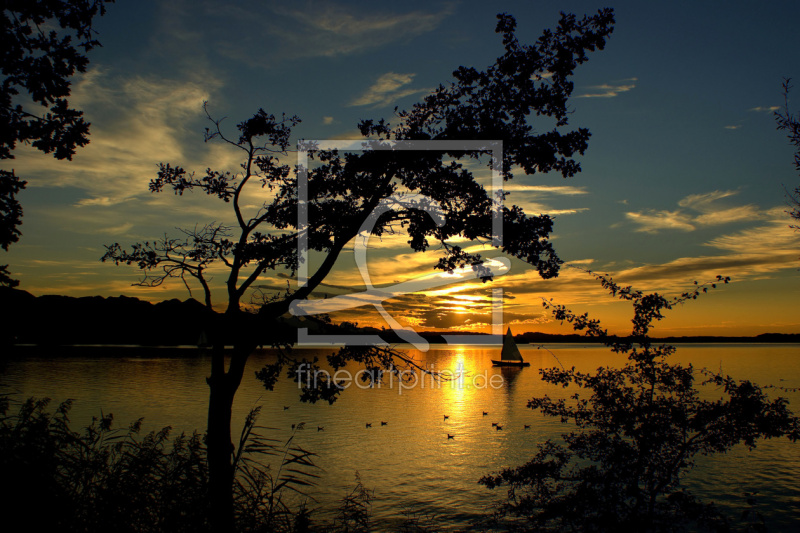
column 125, row 323
column 435, row 340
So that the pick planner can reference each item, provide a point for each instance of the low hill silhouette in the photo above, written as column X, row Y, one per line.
column 53, row 320
column 64, row 320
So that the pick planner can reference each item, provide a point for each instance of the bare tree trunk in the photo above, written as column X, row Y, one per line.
column 223, row 386
column 220, row 445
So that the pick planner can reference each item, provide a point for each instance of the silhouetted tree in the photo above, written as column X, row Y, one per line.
column 787, row 121
column 38, row 58
column 639, row 430
column 343, row 191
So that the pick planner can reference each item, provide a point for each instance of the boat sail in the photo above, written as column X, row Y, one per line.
column 509, row 355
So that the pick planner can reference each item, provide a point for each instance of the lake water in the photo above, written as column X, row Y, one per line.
column 410, row 462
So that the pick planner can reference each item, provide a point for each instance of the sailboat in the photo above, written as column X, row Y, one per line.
column 509, row 355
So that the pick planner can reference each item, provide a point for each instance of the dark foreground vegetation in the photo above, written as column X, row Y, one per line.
column 104, row 479
column 637, row 429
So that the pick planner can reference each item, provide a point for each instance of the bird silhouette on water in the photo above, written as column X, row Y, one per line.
column 369, row 425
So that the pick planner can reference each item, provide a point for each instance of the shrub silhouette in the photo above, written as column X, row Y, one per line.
column 638, row 429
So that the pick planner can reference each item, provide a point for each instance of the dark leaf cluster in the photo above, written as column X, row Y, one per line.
column 42, row 45
column 497, row 103
column 39, row 60
column 10, row 208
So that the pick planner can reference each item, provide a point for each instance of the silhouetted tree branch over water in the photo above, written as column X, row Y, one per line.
column 497, row 104
column 40, row 60
column 639, row 429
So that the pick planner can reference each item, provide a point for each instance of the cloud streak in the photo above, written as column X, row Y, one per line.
column 565, row 190
column 330, row 29
column 136, row 122
column 387, row 89
column 610, row 90
column 706, row 213
column 527, row 192
column 653, row 221
column 747, row 254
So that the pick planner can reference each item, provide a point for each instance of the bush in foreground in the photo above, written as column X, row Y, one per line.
column 639, row 428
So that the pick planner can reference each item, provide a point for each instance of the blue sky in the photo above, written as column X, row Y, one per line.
column 683, row 179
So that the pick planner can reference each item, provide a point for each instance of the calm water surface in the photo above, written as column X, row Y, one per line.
column 410, row 462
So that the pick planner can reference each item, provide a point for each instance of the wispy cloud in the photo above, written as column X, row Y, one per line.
column 536, row 208
column 332, row 29
column 673, row 275
column 528, row 193
column 388, row 88
column 269, row 33
column 703, row 201
column 652, row 221
column 752, row 253
column 137, row 122
column 610, row 90
column 712, row 214
column 774, row 238
column 726, row 216
column 748, row 254
column 567, row 190
column 733, row 127
column 765, row 109
column 117, row 230
column 707, row 212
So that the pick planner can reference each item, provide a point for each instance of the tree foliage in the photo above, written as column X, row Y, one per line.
column 344, row 189
column 638, row 430
column 42, row 45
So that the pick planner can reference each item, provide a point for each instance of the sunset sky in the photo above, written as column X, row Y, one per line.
column 683, row 180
